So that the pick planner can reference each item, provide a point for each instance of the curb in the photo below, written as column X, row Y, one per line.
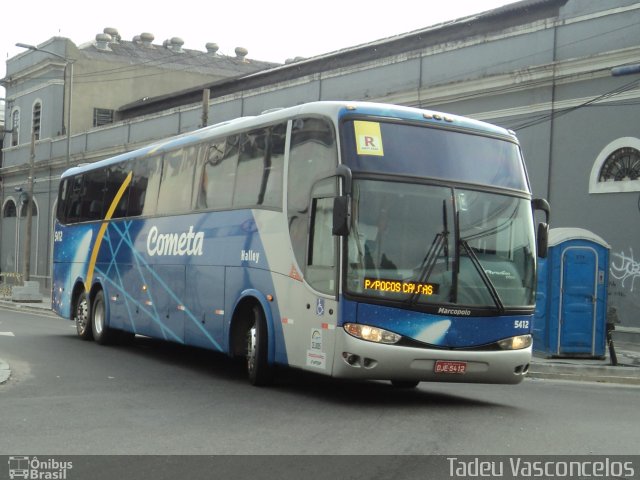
column 5, row 371
column 619, row 375
column 34, row 307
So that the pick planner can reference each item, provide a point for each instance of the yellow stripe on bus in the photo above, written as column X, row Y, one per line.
column 103, row 229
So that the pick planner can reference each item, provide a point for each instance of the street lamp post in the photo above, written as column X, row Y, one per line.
column 30, row 180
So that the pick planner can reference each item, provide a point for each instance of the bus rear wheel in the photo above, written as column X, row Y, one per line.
column 258, row 368
column 81, row 317
column 102, row 334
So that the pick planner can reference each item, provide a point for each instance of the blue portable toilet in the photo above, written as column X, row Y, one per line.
column 571, row 303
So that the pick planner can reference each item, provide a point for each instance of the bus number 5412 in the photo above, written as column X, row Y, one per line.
column 521, row 324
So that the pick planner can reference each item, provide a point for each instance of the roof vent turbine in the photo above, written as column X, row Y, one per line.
column 102, row 42
column 241, row 54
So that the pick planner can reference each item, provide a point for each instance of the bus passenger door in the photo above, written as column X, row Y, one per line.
column 320, row 274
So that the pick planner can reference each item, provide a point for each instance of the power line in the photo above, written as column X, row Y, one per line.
column 559, row 113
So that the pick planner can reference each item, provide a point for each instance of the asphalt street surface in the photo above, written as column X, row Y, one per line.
column 67, row 396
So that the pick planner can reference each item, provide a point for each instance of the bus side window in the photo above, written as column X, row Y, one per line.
column 273, row 167
column 143, row 190
column 74, row 202
column 93, row 198
column 250, row 167
column 62, row 201
column 218, row 174
column 260, row 165
column 116, row 175
column 177, row 181
column 313, row 155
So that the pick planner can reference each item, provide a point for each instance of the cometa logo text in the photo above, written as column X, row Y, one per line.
column 174, row 244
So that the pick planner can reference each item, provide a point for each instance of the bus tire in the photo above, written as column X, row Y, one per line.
column 102, row 334
column 404, row 384
column 82, row 318
column 258, row 369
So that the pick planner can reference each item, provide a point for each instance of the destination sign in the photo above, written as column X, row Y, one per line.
column 400, row 286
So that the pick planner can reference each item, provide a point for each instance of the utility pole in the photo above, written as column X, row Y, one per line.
column 29, row 206
column 205, row 107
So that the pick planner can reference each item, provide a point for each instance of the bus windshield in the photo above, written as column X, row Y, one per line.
column 438, row 245
column 436, row 153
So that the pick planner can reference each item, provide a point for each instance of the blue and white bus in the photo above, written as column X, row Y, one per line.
column 357, row 240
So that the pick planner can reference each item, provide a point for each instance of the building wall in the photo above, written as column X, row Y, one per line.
column 544, row 79
column 120, row 84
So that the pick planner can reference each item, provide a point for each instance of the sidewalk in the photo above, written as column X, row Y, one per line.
column 627, row 371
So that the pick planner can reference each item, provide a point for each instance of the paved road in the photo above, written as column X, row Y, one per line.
column 68, row 396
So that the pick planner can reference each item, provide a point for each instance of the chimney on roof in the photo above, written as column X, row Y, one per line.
column 212, row 48
column 174, row 44
column 146, row 39
column 241, row 54
column 113, row 32
column 102, row 42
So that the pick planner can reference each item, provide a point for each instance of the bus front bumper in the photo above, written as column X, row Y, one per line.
column 361, row 359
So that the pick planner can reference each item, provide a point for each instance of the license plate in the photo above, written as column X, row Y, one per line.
column 448, row 366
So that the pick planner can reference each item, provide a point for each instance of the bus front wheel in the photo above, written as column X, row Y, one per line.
column 81, row 317
column 102, row 334
column 258, row 368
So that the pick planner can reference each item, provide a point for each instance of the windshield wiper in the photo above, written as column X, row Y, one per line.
column 440, row 242
column 429, row 261
column 485, row 278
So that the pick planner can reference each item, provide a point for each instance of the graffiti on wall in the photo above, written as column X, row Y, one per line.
column 625, row 269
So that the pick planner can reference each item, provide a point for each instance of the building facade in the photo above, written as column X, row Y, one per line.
column 539, row 67
column 59, row 95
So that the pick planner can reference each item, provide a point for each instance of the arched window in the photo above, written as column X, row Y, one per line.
column 9, row 209
column 24, row 210
column 35, row 125
column 15, row 127
column 617, row 168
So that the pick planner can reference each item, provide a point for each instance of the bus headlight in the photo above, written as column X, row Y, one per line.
column 516, row 343
column 372, row 334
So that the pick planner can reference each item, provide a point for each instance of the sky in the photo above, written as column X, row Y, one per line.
column 270, row 30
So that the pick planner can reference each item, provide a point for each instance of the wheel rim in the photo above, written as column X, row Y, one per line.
column 98, row 318
column 82, row 313
column 251, row 348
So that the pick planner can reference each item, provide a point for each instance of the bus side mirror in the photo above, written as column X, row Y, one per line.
column 541, row 204
column 342, row 216
column 543, row 227
column 543, row 239
column 342, row 205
